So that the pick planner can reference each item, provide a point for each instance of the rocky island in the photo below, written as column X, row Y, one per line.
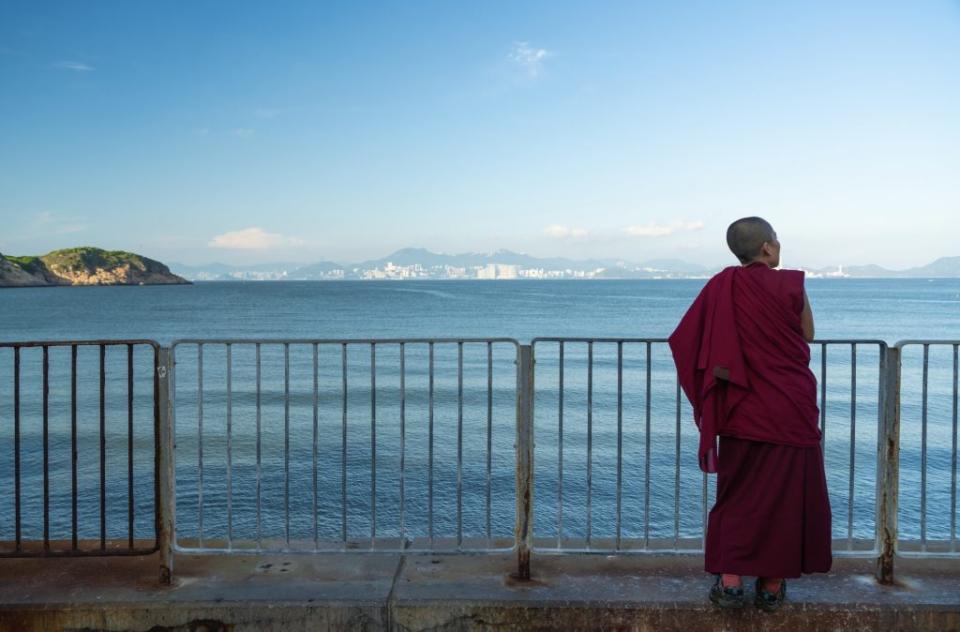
column 84, row 266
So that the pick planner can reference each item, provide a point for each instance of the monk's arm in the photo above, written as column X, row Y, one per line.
column 806, row 319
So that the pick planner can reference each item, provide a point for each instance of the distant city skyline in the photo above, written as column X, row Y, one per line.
column 246, row 133
column 417, row 263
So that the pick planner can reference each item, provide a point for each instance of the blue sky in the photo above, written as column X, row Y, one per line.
column 241, row 131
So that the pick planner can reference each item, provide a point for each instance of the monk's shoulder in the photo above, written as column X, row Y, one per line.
column 722, row 277
column 790, row 287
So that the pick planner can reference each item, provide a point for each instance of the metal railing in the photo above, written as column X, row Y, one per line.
column 316, row 445
column 435, row 445
column 104, row 505
column 612, row 407
column 928, row 447
column 852, row 422
column 553, row 446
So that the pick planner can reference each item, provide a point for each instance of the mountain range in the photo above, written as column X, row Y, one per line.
column 437, row 265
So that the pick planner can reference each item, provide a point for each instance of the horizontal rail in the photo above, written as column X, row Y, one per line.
column 330, row 341
column 900, row 344
column 534, row 341
column 818, row 341
column 79, row 343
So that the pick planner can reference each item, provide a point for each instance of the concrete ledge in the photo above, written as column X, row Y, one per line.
column 391, row 592
column 658, row 593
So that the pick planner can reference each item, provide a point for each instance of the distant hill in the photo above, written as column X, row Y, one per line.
column 84, row 266
column 315, row 270
column 944, row 267
column 226, row 272
column 870, row 270
column 677, row 266
column 612, row 268
column 428, row 259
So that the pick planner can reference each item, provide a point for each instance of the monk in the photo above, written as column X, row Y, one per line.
column 743, row 361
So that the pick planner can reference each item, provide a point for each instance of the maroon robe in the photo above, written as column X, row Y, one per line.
column 772, row 515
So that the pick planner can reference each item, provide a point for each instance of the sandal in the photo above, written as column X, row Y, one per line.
column 770, row 601
column 727, row 597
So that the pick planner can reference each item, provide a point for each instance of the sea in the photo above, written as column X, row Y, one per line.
column 362, row 442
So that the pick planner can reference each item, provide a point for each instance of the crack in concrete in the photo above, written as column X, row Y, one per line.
column 388, row 610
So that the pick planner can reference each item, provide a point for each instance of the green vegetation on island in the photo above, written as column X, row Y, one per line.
column 84, row 266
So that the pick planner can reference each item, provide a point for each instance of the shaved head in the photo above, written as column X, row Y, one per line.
column 746, row 237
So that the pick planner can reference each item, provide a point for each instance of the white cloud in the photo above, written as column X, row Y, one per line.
column 663, row 230
column 529, row 58
column 559, row 231
column 253, row 238
column 242, row 132
column 76, row 66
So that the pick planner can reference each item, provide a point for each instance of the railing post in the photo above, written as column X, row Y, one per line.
column 888, row 464
column 165, row 473
column 523, row 530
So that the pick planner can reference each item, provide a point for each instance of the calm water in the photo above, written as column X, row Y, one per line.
column 887, row 310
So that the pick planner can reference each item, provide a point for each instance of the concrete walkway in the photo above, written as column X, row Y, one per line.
column 391, row 592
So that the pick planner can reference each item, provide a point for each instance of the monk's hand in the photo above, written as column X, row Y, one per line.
column 721, row 372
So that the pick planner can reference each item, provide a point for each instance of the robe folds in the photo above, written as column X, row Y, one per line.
column 742, row 362
column 772, row 515
column 746, row 321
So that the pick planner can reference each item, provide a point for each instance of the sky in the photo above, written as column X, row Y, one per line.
column 247, row 132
